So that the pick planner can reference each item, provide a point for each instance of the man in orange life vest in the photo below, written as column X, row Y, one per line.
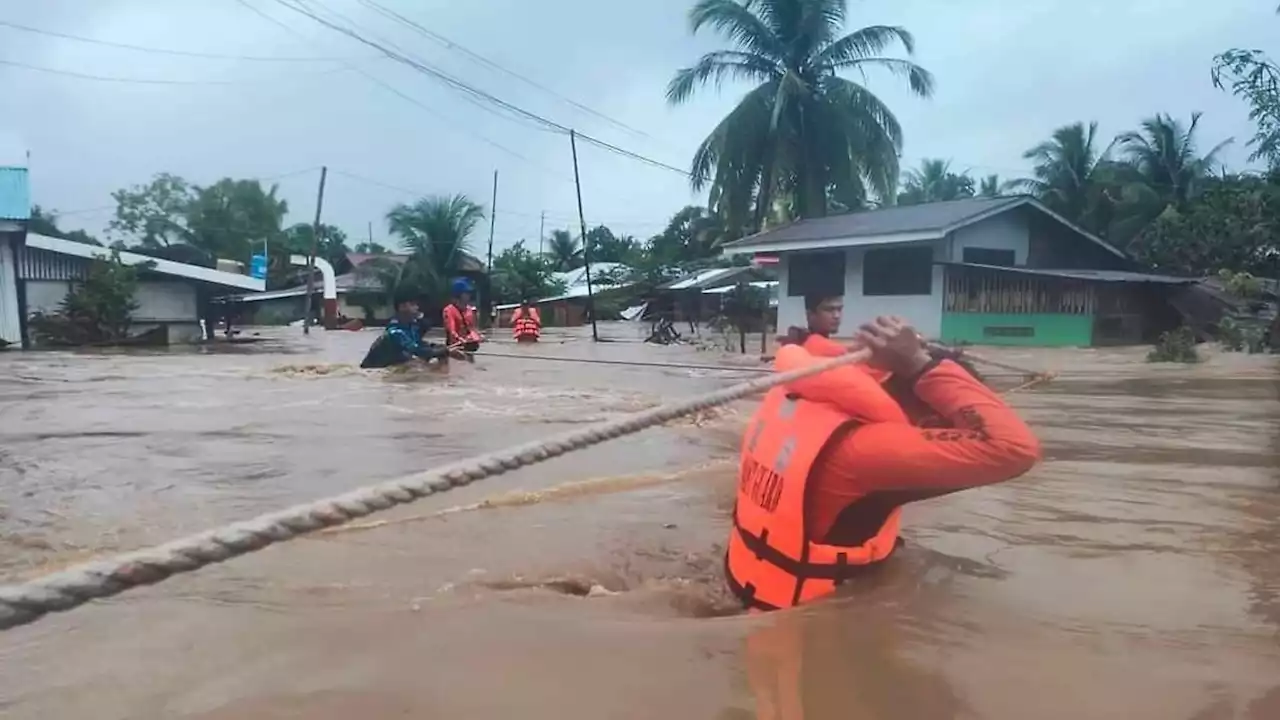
column 460, row 319
column 526, row 324
column 828, row 462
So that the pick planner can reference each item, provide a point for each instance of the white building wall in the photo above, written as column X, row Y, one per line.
column 166, row 301
column 924, row 312
column 10, row 327
column 1007, row 231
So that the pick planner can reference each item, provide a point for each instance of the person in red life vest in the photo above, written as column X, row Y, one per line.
column 526, row 323
column 460, row 319
column 828, row 462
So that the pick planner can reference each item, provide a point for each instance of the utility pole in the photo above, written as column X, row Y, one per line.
column 586, row 246
column 370, row 235
column 311, row 259
column 542, row 232
column 487, row 305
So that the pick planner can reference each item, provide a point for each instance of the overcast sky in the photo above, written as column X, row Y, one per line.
column 1008, row 72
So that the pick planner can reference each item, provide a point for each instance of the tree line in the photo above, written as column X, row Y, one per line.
column 806, row 142
column 803, row 142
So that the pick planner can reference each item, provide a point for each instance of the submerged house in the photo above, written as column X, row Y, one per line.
column 992, row 271
column 608, row 287
column 361, row 293
column 172, row 296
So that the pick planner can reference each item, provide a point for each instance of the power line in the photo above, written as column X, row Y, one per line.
column 474, row 92
column 138, row 81
column 463, row 127
column 453, row 45
column 159, row 51
column 553, row 216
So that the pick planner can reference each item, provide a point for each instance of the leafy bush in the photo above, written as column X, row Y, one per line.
column 1175, row 346
column 98, row 309
column 1235, row 336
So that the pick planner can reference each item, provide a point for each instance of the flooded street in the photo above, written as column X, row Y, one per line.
column 1133, row 575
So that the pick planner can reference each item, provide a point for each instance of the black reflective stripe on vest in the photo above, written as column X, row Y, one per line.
column 745, row 593
column 836, row 572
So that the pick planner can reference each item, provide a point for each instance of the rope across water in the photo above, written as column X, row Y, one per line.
column 73, row 587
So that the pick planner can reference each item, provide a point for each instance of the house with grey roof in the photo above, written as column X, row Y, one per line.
column 992, row 271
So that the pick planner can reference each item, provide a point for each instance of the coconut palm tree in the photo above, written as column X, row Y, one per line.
column 803, row 131
column 991, row 186
column 563, row 251
column 1161, row 169
column 434, row 231
column 1164, row 155
column 933, row 181
column 1072, row 176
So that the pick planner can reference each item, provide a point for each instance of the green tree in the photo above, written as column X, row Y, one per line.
column 991, row 186
column 933, row 181
column 296, row 240
column 97, row 309
column 1071, row 176
column 434, row 230
column 563, row 251
column 1234, row 224
column 45, row 222
column 692, row 234
column 371, row 248
column 519, row 274
column 233, row 218
column 1161, row 168
column 607, row 247
column 153, row 215
column 1255, row 77
column 803, row 131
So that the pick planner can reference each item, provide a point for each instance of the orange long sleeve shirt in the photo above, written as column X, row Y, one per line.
column 861, row 476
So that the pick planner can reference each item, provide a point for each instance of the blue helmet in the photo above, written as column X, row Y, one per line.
column 461, row 285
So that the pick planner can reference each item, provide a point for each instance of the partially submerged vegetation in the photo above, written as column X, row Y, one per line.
column 98, row 310
column 1175, row 346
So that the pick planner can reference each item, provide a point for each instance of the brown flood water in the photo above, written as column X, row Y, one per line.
column 1134, row 575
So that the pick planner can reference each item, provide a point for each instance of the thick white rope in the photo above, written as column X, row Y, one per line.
column 75, row 586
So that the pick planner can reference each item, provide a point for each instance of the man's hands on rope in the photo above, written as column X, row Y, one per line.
column 895, row 345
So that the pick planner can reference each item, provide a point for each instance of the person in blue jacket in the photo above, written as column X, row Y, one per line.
column 402, row 340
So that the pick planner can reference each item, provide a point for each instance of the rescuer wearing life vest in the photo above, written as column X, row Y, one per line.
column 828, row 462
column 526, row 323
column 460, row 318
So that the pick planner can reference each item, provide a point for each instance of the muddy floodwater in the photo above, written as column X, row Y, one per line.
column 1135, row 575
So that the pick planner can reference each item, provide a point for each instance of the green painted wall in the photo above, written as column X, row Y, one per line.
column 1046, row 330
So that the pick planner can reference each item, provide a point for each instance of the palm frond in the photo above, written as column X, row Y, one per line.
column 715, row 67
column 736, row 22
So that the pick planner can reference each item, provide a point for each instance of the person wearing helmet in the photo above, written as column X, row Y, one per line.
column 460, row 319
column 402, row 339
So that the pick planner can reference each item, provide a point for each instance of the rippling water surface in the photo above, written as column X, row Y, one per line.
column 1134, row 575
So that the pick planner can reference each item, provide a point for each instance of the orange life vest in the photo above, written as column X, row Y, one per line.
column 459, row 325
column 772, row 562
column 526, row 325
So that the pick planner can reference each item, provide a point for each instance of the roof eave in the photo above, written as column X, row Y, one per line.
column 835, row 243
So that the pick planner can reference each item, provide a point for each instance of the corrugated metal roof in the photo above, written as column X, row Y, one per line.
column 909, row 223
column 704, row 278
column 166, row 267
column 15, row 194
column 1089, row 275
column 929, row 217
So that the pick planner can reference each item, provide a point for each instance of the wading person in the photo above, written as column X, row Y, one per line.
column 402, row 340
column 828, row 462
column 460, row 319
column 526, row 323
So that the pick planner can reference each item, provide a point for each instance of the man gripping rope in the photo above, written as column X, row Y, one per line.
column 828, row 462
column 402, row 340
